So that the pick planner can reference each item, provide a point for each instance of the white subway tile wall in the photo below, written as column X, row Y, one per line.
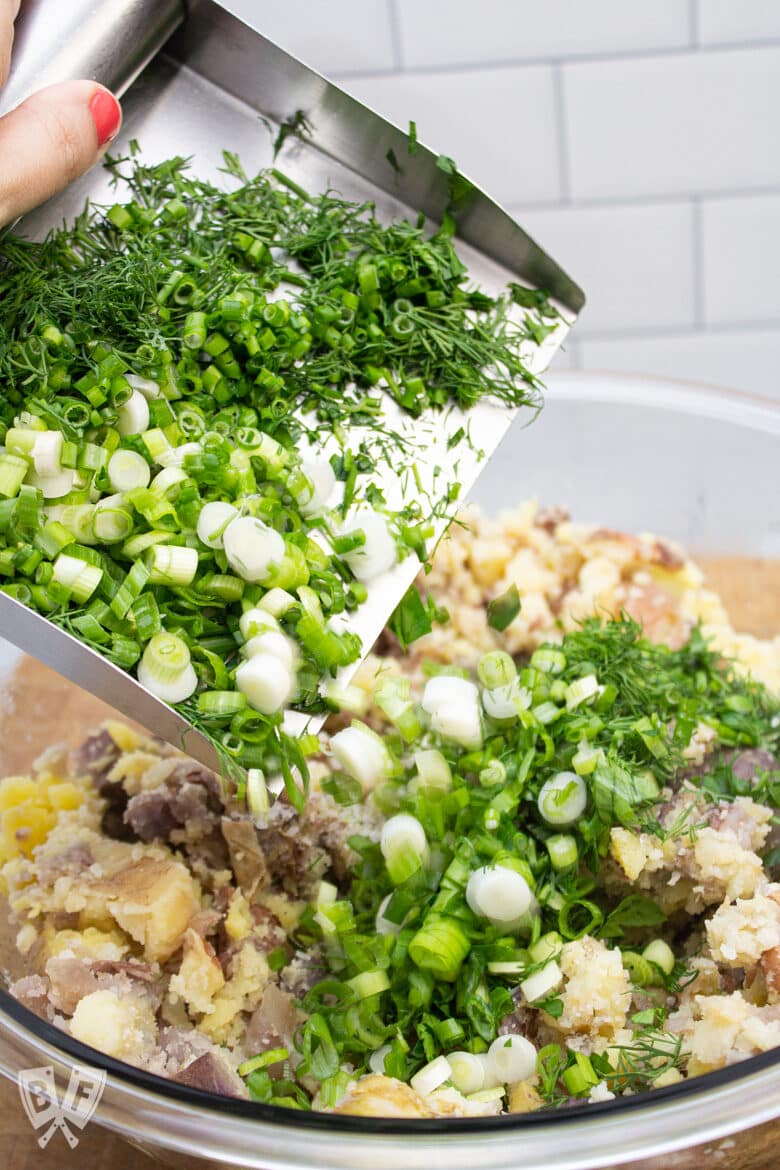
column 737, row 21
column 335, row 36
column 449, row 32
column 635, row 141
column 600, row 245
column 741, row 259
column 655, row 126
column 459, row 113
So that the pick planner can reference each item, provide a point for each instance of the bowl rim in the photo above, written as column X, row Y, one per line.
column 53, row 1036
column 742, row 407
column 157, row 1113
column 581, row 1122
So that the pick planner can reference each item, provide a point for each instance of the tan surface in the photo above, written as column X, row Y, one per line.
column 750, row 589
column 751, row 592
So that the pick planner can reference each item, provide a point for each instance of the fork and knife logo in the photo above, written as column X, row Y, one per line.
column 45, row 1110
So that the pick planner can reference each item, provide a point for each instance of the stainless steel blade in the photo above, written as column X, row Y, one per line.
column 57, row 649
column 211, row 89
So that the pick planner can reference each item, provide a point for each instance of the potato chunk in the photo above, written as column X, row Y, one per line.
column 524, row 1097
column 380, row 1096
column 122, row 1026
column 200, row 976
column 153, row 900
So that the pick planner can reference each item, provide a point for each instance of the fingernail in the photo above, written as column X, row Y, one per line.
column 106, row 114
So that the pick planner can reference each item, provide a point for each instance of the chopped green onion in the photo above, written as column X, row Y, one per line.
column 130, row 589
column 661, row 954
column 511, row 1058
column 542, row 982
column 580, row 1077
column 53, row 537
column 467, row 1071
column 586, row 759
column 212, row 522
column 404, row 846
column 221, row 703
column 547, row 946
column 369, row 983
column 256, row 792
column 277, row 601
column 266, row 681
column 362, row 754
column 133, row 415
column 392, row 696
column 166, row 670
column 431, row 1076
column 146, row 616
column 496, row 669
column 137, row 545
column 80, row 520
column 433, row 771
column 562, row 799
column 172, row 564
column 352, row 699
column 128, row 470
column 549, row 661
column 112, row 520
column 503, row 610
column 79, row 578
column 499, row 894
column 642, row 972
column 263, row 1060
column 581, row 690
column 563, row 851
column 440, row 946
column 13, row 470
column 156, row 443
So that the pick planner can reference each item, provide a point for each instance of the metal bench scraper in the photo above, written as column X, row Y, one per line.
column 196, row 81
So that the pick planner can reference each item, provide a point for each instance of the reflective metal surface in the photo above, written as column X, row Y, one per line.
column 75, row 661
column 109, row 41
column 727, row 1119
column 701, row 1127
column 220, row 86
column 222, row 50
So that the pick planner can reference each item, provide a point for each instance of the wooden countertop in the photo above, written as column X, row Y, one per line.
column 752, row 609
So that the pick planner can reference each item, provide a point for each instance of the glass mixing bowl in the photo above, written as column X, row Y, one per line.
column 686, row 462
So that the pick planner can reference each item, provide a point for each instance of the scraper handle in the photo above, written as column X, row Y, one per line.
column 109, row 41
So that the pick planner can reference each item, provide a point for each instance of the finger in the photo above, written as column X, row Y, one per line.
column 8, row 13
column 51, row 139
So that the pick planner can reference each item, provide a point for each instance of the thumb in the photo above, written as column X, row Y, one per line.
column 51, row 139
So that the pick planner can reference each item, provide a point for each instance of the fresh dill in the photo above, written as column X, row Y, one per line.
column 257, row 311
column 650, row 1053
column 296, row 126
column 389, row 304
column 681, row 825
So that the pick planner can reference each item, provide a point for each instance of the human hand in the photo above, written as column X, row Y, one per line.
column 52, row 137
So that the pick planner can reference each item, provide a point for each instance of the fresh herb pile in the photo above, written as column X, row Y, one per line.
column 522, row 776
column 162, row 361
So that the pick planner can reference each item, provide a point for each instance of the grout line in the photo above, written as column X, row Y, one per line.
column 618, row 201
column 693, row 23
column 571, row 59
column 561, row 133
column 347, row 75
column 669, row 332
column 395, row 33
column 697, row 259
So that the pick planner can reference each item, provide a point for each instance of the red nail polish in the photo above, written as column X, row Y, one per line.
column 106, row 114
